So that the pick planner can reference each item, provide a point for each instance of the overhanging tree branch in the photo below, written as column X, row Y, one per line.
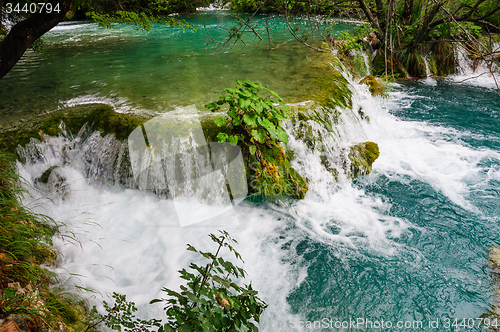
column 372, row 19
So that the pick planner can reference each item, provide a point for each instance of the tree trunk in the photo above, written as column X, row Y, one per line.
column 424, row 29
column 24, row 33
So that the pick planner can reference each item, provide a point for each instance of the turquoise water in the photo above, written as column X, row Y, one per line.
column 154, row 70
column 408, row 243
column 450, row 199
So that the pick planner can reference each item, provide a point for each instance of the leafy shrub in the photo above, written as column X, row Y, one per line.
column 253, row 116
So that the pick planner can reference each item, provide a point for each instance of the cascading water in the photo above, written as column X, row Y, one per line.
column 407, row 243
column 367, row 62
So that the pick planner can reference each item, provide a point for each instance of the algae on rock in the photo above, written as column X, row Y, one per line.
column 375, row 85
column 362, row 156
column 98, row 117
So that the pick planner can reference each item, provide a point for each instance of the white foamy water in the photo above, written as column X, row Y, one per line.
column 479, row 74
column 130, row 241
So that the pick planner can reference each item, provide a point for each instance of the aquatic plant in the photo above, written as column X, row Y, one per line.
column 256, row 124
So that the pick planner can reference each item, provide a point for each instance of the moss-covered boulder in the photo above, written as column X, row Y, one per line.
column 376, row 86
column 361, row 157
column 444, row 57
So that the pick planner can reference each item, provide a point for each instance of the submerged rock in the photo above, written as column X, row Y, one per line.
column 44, row 178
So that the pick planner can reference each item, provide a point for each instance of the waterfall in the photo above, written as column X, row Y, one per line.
column 129, row 226
column 367, row 62
column 428, row 80
column 427, row 68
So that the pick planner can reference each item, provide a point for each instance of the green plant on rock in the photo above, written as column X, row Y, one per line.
column 253, row 116
column 14, row 303
column 210, row 301
column 361, row 157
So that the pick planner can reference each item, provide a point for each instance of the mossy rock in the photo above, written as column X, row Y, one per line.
column 494, row 257
column 272, row 176
column 362, row 156
column 97, row 116
column 376, row 86
column 73, row 313
column 45, row 255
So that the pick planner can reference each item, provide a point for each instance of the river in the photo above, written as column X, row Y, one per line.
column 406, row 244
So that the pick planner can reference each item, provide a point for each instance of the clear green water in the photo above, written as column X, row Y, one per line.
column 154, row 70
column 407, row 243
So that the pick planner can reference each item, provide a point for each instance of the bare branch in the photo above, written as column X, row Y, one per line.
column 293, row 32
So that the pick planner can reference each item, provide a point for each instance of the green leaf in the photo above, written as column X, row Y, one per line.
column 259, row 135
column 245, row 93
column 155, row 301
column 271, row 129
column 167, row 328
column 193, row 297
column 253, row 149
column 219, row 121
column 282, row 135
column 258, row 108
column 222, row 137
column 185, row 328
column 232, row 113
column 233, row 139
column 250, row 119
column 244, row 103
column 212, row 106
column 233, row 91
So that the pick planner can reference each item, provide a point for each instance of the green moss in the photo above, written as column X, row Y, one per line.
column 376, row 86
column 362, row 156
column 97, row 116
column 332, row 89
column 272, row 176
column 65, row 309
